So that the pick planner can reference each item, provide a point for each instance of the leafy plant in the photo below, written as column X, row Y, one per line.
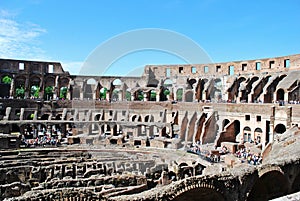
column 20, row 92
column 166, row 92
column 35, row 90
column 6, row 79
column 63, row 92
column 48, row 92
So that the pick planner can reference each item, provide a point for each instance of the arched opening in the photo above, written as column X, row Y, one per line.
column 280, row 128
column 216, row 93
column 165, row 132
column 89, row 88
column 35, row 87
column 267, row 187
column 45, row 117
column 152, row 95
column 203, row 194
column 168, row 83
column 20, row 87
column 189, row 96
column 5, row 86
column 164, row 93
column 58, row 117
column 149, row 118
column 97, row 117
column 128, row 95
column 225, row 123
column 115, row 95
column 139, row 95
column 63, row 92
column 179, row 94
column 103, row 92
column 117, row 82
column 280, row 95
column 258, row 135
column 49, row 87
column 191, row 83
column 15, row 128
column 247, row 134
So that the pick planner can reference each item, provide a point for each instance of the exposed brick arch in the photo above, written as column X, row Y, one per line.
column 202, row 193
column 271, row 184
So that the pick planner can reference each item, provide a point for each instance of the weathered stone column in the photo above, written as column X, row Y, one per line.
column 12, row 87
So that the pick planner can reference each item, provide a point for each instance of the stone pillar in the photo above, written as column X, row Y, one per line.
column 157, row 96
column 146, row 98
column 183, row 95
column 120, row 95
column 274, row 97
column 286, row 97
column 12, row 87
column 27, row 89
column 22, row 114
column 250, row 98
column 35, row 115
column 132, row 96
column 289, row 117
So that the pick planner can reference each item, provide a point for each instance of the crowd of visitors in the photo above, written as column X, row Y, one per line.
column 248, row 156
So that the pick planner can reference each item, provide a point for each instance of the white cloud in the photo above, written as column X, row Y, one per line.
column 73, row 67
column 19, row 40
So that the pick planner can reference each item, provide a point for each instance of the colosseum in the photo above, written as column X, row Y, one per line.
column 216, row 131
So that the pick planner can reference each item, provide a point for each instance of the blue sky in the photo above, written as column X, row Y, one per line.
column 68, row 31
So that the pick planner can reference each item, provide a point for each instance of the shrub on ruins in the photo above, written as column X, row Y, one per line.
column 63, row 92
column 20, row 92
column 48, row 92
column 34, row 92
column 6, row 79
column 166, row 92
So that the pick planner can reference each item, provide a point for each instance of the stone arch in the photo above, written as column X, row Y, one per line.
column 258, row 135
column 139, row 95
column 165, row 132
column 103, row 93
column 115, row 94
column 136, row 118
column 97, row 117
column 5, row 85
column 152, row 95
column 34, row 86
column 280, row 95
column 168, row 83
column 201, row 193
column 149, row 118
column 49, row 87
column 117, row 82
column 280, row 128
column 189, row 96
column 217, row 90
column 247, row 134
column 191, row 83
column 89, row 88
column 267, row 186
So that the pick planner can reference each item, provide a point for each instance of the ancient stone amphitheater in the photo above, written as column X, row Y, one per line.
column 177, row 132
